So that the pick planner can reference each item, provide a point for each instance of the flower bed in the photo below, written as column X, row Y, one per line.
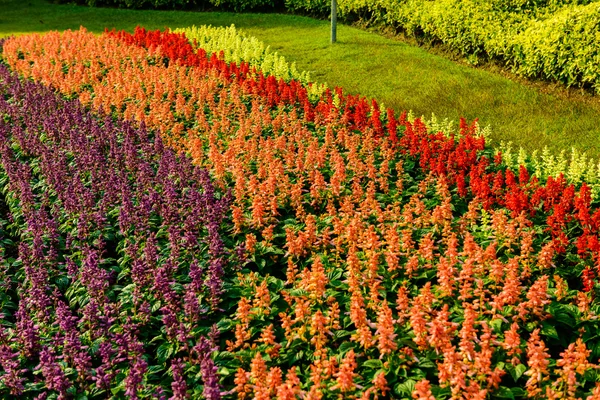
column 383, row 260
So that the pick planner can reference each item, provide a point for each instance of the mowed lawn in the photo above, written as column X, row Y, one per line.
column 397, row 74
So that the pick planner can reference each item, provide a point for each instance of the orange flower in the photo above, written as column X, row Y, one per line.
column 422, row 391
column 537, row 360
column 345, row 376
column 573, row 362
column 267, row 336
column 242, row 388
column 381, row 383
column 290, row 388
column 250, row 243
column 561, row 287
column 318, row 279
column 384, row 334
column 512, row 342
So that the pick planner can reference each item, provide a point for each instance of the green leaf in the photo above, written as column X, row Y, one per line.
column 516, row 371
column 341, row 333
column 504, row 393
column 562, row 315
column 496, row 324
column 165, row 351
column 405, row 388
column 426, row 363
column 225, row 324
column 549, row 330
column 373, row 364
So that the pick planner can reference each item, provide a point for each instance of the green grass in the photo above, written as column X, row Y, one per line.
column 400, row 75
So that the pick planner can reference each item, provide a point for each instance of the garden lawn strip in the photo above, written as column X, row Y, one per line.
column 385, row 259
column 121, row 261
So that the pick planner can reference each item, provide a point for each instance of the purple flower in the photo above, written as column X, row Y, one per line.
column 54, row 376
column 178, row 385
column 11, row 378
column 135, row 377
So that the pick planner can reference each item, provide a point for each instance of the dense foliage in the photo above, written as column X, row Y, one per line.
column 385, row 260
column 544, row 40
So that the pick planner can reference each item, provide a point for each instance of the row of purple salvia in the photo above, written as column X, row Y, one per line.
column 120, row 262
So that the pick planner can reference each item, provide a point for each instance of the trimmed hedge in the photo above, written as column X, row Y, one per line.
column 535, row 39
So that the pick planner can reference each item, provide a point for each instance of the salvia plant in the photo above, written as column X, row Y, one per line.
column 113, row 262
column 237, row 47
column 377, row 259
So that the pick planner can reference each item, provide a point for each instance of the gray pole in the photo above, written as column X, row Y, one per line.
column 333, row 20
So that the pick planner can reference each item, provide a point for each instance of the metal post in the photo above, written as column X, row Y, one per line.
column 333, row 21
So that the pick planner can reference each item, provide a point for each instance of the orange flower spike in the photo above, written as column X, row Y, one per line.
column 384, row 177
column 408, row 244
column 262, row 298
column 258, row 369
column 511, row 289
column 392, row 252
column 583, row 304
column 467, row 333
column 242, row 387
column 380, row 383
column 402, row 302
column 422, row 391
column 418, row 323
column 287, row 325
column 441, row 331
column 384, row 334
column 527, row 244
column 315, row 393
column 346, row 374
column 426, row 297
column 250, row 243
column 291, row 272
column 483, row 359
column 267, row 234
column 475, row 392
column 537, row 298
column 561, row 287
column 370, row 205
column 302, row 309
column 375, row 290
column 318, row 279
column 318, row 329
column 238, row 219
column 573, row 362
column 512, row 343
column 496, row 271
column 258, row 209
column 274, row 379
column 243, row 311
column 333, row 316
column 358, row 314
column 364, row 336
column 537, row 360
column 357, row 190
column 411, row 265
column 446, row 277
column 450, row 369
column 290, row 388
column 242, row 335
column 267, row 336
column 546, row 255
column 311, row 228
